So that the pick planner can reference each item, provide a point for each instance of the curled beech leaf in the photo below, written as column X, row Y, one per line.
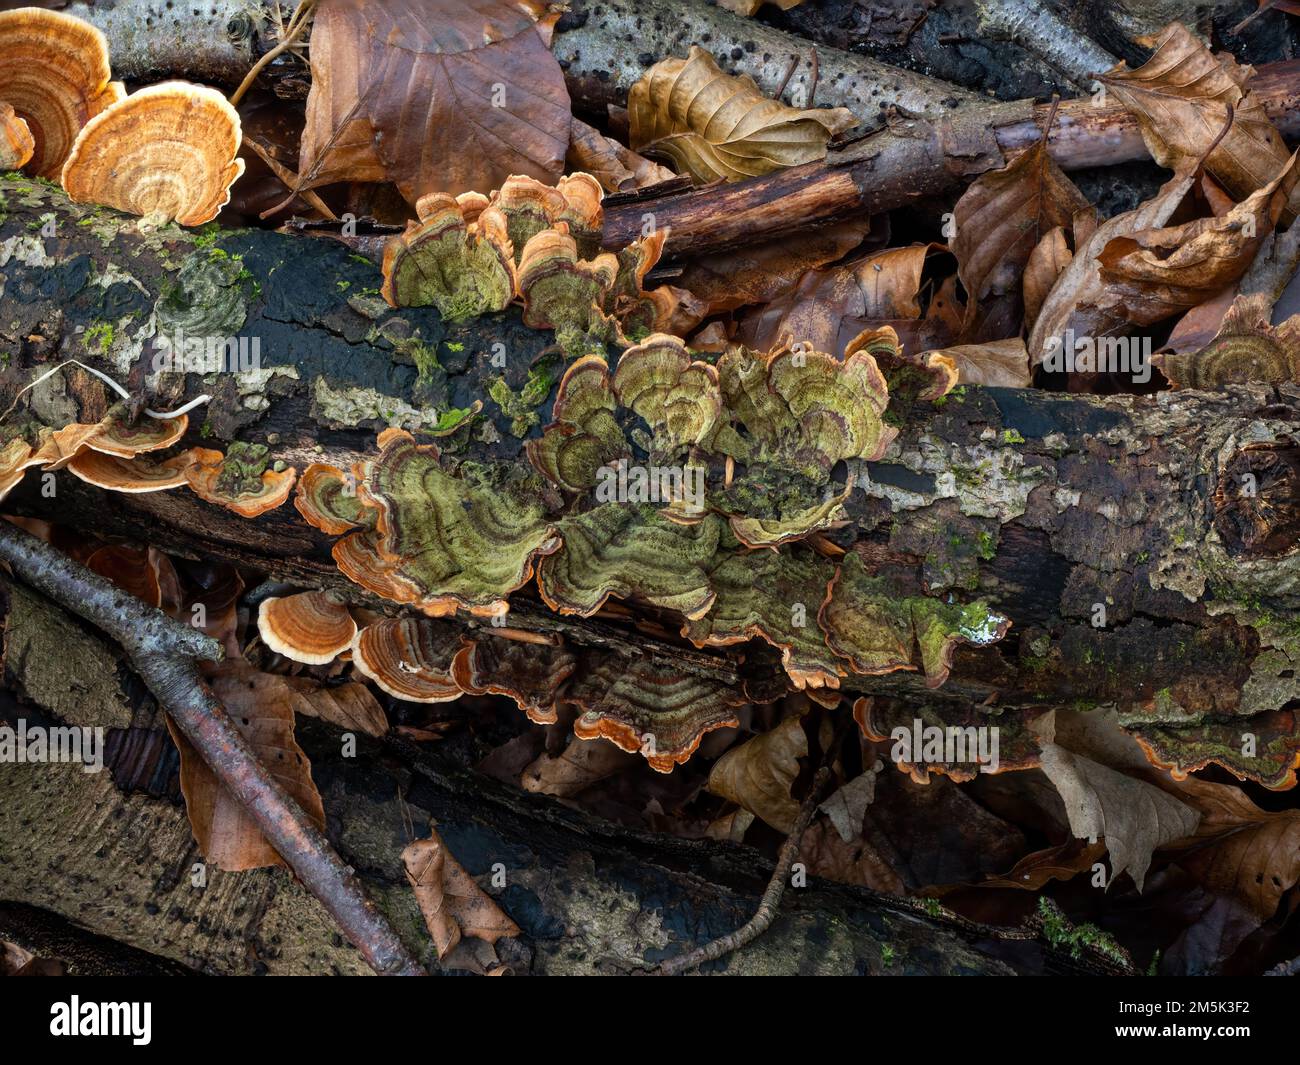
column 712, row 125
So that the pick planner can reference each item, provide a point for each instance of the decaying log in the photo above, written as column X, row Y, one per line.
column 1048, row 504
column 111, row 852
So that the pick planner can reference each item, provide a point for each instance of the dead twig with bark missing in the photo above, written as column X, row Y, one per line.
column 165, row 653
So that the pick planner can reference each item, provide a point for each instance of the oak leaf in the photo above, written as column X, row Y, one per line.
column 999, row 363
column 758, row 774
column 714, row 125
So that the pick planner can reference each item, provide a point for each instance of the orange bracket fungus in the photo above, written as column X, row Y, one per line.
column 310, row 627
column 17, row 145
column 239, row 480
column 465, row 540
column 529, row 673
column 409, row 658
column 647, row 708
column 168, row 152
column 55, row 76
column 564, row 292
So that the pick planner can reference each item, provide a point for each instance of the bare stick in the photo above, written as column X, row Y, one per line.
column 166, row 653
column 1037, row 29
column 301, row 17
column 771, row 901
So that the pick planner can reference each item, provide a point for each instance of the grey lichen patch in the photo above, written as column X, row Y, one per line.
column 987, row 480
column 59, row 666
column 253, row 385
column 354, row 408
column 25, row 248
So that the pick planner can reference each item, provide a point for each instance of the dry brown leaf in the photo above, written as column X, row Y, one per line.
column 434, row 95
column 1050, row 256
column 1077, row 302
column 1035, row 870
column 827, row 854
column 757, row 775
column 1255, row 862
column 846, row 806
column 350, row 706
column 1154, row 274
column 1180, row 98
column 762, row 272
column 998, row 363
column 1000, row 220
column 713, row 125
column 258, row 705
column 1085, row 757
column 828, row 308
column 581, row 764
column 618, row 169
column 455, row 908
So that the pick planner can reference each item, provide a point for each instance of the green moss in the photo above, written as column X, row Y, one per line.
column 1012, row 436
column 1059, row 931
column 99, row 338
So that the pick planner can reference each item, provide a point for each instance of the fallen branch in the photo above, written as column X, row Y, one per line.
column 1040, row 30
column 165, row 652
column 913, row 159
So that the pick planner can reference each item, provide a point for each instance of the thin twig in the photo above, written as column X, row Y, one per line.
column 166, row 653
column 296, row 26
column 785, row 80
column 771, row 901
column 816, row 74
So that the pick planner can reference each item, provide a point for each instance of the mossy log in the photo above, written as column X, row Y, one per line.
column 1114, row 532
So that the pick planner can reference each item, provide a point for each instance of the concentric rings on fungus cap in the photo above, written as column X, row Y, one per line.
column 311, row 627
column 54, row 73
column 169, row 151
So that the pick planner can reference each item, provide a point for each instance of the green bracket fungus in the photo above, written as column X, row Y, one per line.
column 462, row 269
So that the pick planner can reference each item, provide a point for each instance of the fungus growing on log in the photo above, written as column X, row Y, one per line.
column 132, row 476
column 803, row 411
column 462, row 268
column 311, row 627
column 529, row 673
column 239, row 480
column 647, row 708
column 526, row 206
column 327, row 498
column 630, row 552
column 168, row 152
column 17, row 145
column 565, row 292
column 1246, row 350
column 54, row 74
column 1257, row 500
column 585, row 434
column 877, row 627
column 409, row 658
column 1184, row 749
column 465, row 540
column 679, row 399
column 774, row 596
